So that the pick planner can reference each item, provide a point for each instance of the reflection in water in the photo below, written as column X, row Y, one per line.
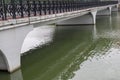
column 17, row 75
column 76, row 53
column 95, row 37
column 105, row 63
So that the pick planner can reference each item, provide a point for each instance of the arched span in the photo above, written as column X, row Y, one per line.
column 104, row 12
column 11, row 41
column 88, row 18
column 3, row 61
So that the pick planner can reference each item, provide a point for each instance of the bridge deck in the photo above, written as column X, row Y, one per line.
column 32, row 12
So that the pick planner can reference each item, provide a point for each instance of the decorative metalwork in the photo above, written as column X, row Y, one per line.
column 34, row 8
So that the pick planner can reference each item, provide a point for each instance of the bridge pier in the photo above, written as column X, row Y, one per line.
column 11, row 40
column 105, row 12
column 89, row 18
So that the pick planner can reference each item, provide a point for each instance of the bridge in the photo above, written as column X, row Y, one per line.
column 18, row 19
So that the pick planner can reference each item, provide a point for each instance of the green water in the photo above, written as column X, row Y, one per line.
column 75, row 53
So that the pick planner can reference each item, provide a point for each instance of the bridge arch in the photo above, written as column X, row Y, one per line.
column 85, row 18
column 11, row 41
column 3, row 61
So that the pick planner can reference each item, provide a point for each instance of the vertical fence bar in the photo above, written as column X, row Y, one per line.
column 34, row 7
column 4, row 10
column 21, row 8
column 53, row 7
column 56, row 6
column 40, row 8
column 60, row 6
column 13, row 9
column 28, row 9
column 49, row 7
column 44, row 7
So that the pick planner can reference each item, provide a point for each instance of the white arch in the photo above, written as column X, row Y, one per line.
column 11, row 40
column 3, row 61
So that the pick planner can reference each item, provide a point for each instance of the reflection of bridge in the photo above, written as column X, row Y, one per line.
column 18, row 20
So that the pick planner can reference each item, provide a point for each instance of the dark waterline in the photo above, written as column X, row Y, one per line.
column 75, row 53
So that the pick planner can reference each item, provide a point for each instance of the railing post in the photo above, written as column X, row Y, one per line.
column 40, row 8
column 53, row 7
column 28, row 9
column 44, row 7
column 34, row 8
column 4, row 10
column 21, row 8
column 49, row 7
column 1, row 12
column 63, row 6
column 65, row 3
column 13, row 9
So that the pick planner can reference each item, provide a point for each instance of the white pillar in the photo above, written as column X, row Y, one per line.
column 11, row 40
column 94, row 16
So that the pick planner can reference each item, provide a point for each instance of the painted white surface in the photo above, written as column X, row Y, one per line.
column 38, row 37
column 11, row 41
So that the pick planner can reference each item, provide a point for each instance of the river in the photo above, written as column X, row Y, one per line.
column 84, row 52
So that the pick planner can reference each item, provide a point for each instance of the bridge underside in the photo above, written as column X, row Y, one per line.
column 105, row 12
column 88, row 18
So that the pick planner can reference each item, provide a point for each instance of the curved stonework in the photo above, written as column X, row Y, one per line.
column 11, row 41
column 104, row 12
column 3, row 61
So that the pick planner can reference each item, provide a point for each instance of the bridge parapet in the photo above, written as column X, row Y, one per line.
column 41, row 8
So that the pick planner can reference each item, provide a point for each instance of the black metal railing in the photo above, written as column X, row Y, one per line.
column 35, row 8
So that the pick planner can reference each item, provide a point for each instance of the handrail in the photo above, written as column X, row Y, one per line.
column 34, row 8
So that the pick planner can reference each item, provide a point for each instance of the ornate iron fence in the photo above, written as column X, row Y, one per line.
column 34, row 8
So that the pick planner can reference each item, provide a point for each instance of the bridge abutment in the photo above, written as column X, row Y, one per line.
column 11, row 40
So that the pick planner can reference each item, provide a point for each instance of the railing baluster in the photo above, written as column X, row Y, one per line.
column 13, row 9
column 21, row 8
column 28, row 8
column 34, row 8
column 40, row 8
